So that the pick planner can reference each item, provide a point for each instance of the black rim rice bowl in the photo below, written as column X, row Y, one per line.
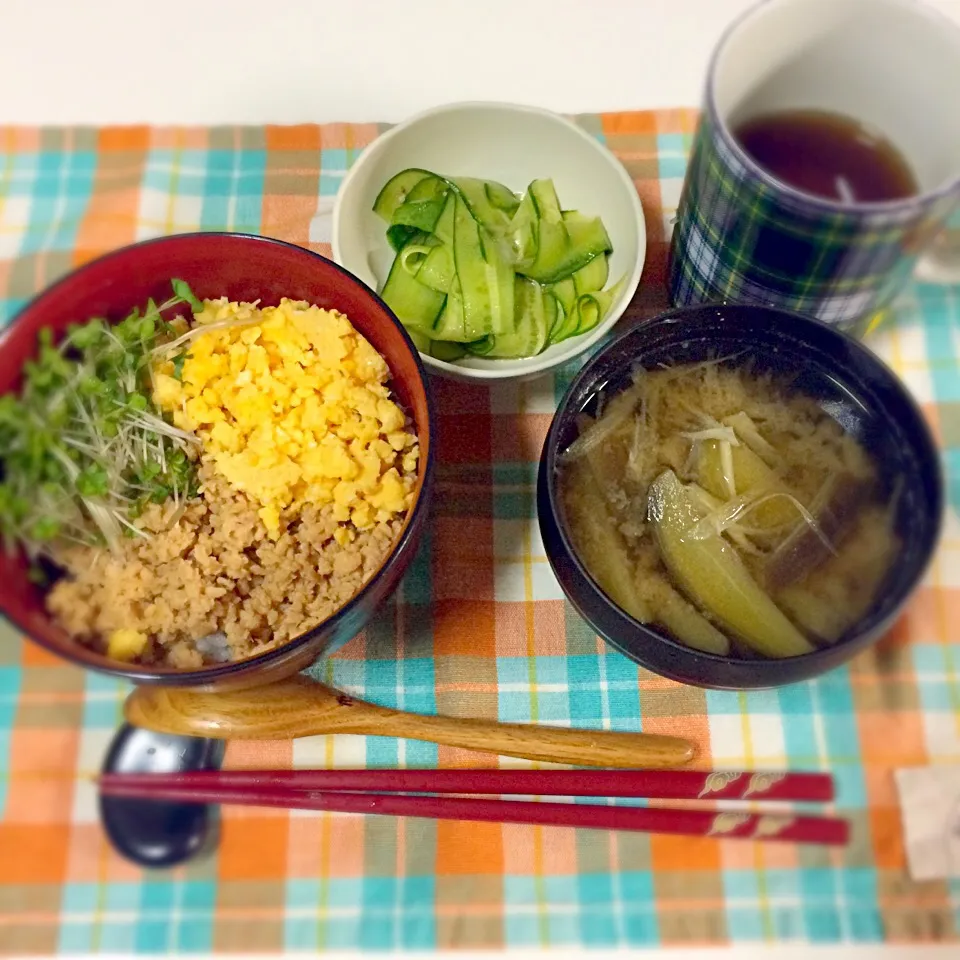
column 853, row 385
column 243, row 267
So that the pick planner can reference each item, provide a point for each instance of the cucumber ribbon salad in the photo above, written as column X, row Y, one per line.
column 480, row 271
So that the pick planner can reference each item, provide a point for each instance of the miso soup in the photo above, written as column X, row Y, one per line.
column 729, row 510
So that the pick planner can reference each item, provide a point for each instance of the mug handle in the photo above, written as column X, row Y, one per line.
column 940, row 263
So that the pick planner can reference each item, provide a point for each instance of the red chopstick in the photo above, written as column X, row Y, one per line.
column 654, row 784
column 698, row 823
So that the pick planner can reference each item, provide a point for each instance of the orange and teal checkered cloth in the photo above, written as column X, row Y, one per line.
column 478, row 628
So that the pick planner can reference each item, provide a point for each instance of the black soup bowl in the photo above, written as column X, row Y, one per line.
column 853, row 386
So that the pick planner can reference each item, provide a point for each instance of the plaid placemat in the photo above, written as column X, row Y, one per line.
column 479, row 628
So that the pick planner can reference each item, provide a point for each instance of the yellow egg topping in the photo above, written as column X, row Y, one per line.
column 126, row 644
column 292, row 406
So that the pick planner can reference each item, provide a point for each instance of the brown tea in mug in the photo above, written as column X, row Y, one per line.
column 828, row 155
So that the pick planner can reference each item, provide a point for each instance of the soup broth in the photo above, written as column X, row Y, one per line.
column 729, row 510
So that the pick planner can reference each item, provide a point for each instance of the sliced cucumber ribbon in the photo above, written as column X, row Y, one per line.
column 479, row 270
column 407, row 255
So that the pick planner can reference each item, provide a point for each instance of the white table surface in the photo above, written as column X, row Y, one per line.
column 295, row 61
column 287, row 61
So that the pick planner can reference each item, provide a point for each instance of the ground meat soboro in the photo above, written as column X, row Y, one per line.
column 215, row 570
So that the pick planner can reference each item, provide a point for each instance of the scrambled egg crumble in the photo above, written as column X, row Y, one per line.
column 291, row 405
column 126, row 644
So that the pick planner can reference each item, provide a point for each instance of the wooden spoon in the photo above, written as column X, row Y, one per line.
column 298, row 707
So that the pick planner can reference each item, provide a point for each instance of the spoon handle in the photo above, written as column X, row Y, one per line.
column 300, row 708
column 533, row 741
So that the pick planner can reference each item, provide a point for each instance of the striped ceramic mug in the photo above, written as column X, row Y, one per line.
column 741, row 234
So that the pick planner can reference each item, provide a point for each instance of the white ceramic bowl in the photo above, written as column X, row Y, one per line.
column 514, row 145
